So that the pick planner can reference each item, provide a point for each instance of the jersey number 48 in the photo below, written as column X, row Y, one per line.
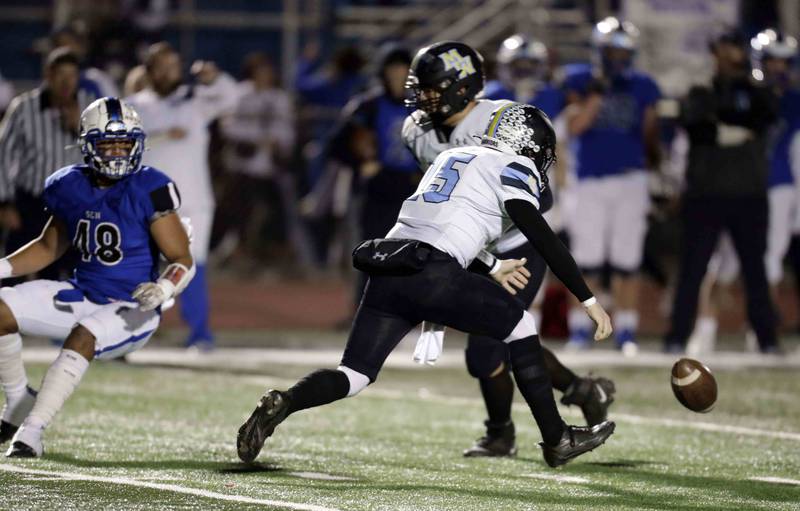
column 107, row 241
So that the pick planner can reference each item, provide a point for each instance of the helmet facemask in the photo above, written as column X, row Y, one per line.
column 111, row 143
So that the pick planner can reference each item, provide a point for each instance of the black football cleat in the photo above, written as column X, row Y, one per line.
column 271, row 411
column 7, row 431
column 593, row 395
column 499, row 441
column 575, row 441
column 21, row 450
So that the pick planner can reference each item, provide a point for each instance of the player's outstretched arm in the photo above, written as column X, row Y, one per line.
column 173, row 241
column 39, row 253
column 532, row 224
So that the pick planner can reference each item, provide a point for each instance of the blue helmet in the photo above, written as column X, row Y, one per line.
column 109, row 120
column 611, row 33
column 522, row 58
column 770, row 44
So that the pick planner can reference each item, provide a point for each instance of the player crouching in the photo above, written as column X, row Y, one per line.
column 118, row 215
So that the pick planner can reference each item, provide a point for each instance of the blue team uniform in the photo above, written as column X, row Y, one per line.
column 549, row 99
column 780, row 172
column 615, row 142
column 110, row 228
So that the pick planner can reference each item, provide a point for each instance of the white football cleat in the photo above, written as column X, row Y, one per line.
column 27, row 443
column 14, row 413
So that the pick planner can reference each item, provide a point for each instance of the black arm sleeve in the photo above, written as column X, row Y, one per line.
column 532, row 224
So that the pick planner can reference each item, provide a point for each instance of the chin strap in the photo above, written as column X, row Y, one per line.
column 178, row 276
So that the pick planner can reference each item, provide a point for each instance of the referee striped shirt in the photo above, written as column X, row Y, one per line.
column 34, row 144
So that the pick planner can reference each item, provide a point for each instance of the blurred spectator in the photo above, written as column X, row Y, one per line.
column 368, row 140
column 176, row 117
column 92, row 79
column 773, row 56
column 323, row 90
column 726, row 188
column 613, row 120
column 135, row 81
column 38, row 136
column 259, row 138
column 524, row 76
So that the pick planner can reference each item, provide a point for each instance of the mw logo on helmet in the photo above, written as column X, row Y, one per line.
column 453, row 60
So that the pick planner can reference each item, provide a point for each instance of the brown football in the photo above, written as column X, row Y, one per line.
column 694, row 385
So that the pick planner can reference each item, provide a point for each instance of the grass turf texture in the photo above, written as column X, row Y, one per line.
column 399, row 447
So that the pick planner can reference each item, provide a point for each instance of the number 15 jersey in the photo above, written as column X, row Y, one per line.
column 459, row 204
column 110, row 227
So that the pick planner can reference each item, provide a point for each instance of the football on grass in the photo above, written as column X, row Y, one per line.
column 694, row 385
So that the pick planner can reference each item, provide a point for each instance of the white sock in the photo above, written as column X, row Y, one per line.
column 577, row 319
column 59, row 383
column 626, row 320
column 707, row 326
column 12, row 371
column 537, row 317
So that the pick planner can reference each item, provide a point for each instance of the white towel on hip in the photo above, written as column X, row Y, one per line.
column 429, row 344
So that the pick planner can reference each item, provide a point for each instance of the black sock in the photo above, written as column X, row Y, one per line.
column 319, row 388
column 533, row 382
column 498, row 393
column 561, row 377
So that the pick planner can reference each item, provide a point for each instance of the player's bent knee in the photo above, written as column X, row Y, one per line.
column 82, row 341
column 486, row 361
column 358, row 381
column 525, row 328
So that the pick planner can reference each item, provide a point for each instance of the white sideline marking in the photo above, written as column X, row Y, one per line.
column 320, row 476
column 558, row 478
column 167, row 487
column 776, row 480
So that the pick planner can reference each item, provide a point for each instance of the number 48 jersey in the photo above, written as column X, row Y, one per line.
column 459, row 204
column 110, row 227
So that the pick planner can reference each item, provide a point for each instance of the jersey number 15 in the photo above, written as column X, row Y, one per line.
column 107, row 241
column 445, row 179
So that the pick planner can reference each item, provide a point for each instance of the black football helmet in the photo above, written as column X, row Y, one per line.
column 443, row 79
column 525, row 130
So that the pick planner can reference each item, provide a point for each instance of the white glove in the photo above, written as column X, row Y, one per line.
column 152, row 294
column 429, row 344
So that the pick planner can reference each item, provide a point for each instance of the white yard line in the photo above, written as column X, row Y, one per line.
column 776, row 480
column 166, row 487
column 558, row 478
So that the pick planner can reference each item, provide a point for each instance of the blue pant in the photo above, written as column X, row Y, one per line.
column 194, row 308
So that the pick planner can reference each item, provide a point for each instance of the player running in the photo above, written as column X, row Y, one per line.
column 465, row 201
column 444, row 80
column 119, row 216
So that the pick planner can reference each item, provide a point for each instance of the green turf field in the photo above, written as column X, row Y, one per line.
column 160, row 438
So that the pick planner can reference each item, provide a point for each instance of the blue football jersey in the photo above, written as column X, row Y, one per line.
column 549, row 99
column 780, row 172
column 614, row 143
column 110, row 227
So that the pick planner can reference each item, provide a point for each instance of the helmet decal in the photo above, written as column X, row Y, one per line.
column 453, row 60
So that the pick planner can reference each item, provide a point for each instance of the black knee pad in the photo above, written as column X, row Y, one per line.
column 484, row 355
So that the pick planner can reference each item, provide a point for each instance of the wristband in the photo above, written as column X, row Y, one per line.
column 496, row 266
column 588, row 303
column 5, row 269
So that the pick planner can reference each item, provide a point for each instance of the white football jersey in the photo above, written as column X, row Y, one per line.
column 427, row 144
column 459, row 204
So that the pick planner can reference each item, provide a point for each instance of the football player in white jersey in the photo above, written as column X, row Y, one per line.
column 444, row 80
column 465, row 201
